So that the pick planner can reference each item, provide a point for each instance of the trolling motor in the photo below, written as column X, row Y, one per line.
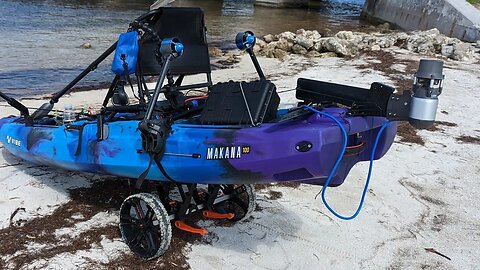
column 246, row 41
column 155, row 131
column 427, row 86
column 417, row 106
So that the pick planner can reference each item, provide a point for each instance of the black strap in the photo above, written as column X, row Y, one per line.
column 127, row 76
column 80, row 135
column 141, row 178
column 162, row 169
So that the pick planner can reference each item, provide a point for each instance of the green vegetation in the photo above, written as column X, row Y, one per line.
column 473, row 2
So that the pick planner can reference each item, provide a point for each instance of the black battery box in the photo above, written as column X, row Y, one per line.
column 226, row 105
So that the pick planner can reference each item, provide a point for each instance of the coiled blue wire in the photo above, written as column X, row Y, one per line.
column 339, row 159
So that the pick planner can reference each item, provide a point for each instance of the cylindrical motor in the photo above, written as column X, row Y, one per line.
column 427, row 86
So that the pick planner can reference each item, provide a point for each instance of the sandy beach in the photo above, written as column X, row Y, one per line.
column 423, row 195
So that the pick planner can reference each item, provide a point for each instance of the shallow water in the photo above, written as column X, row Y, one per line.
column 40, row 40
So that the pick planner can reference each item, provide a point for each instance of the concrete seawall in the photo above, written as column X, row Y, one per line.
column 454, row 18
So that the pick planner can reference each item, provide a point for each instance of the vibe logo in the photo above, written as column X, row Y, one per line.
column 13, row 141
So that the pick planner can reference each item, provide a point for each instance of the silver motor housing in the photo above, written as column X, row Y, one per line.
column 427, row 86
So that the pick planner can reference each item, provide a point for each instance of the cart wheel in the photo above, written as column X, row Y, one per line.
column 145, row 225
column 242, row 203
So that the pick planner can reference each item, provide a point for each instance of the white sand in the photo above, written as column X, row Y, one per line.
column 420, row 196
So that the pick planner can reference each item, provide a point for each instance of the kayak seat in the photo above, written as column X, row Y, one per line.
column 227, row 105
column 188, row 25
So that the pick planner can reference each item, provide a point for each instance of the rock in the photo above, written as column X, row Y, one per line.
column 447, row 50
column 456, row 49
column 347, row 35
column 298, row 49
column 304, row 42
column 384, row 26
column 348, row 43
column 386, row 42
column 301, row 32
column 318, row 46
column 290, row 45
column 214, row 52
column 86, row 46
column 419, row 43
column 375, row 48
column 425, row 42
column 313, row 54
column 261, row 52
column 333, row 44
column 269, row 49
column 257, row 48
column 432, row 32
column 284, row 45
column 261, row 43
column 313, row 35
column 401, row 39
column 452, row 41
column 268, row 38
column 280, row 54
column 231, row 58
column 327, row 32
column 461, row 51
column 327, row 55
column 288, row 36
column 426, row 47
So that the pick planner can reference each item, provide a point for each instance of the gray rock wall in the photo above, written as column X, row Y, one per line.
column 454, row 18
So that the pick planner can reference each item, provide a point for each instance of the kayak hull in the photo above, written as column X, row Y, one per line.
column 302, row 149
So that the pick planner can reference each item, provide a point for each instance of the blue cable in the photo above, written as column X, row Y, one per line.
column 339, row 159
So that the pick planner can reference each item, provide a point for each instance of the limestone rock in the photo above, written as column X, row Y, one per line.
column 261, row 43
column 447, row 50
column 348, row 43
column 86, row 46
column 288, row 36
column 269, row 49
column 333, row 44
column 284, row 45
column 327, row 55
column 298, row 49
column 387, row 42
column 280, row 54
column 384, row 26
column 301, row 32
column 432, row 32
column 313, row 54
column 268, row 38
column 401, row 39
column 214, row 52
column 318, row 46
column 375, row 48
column 347, row 35
column 313, row 35
column 425, row 42
column 304, row 42
column 461, row 51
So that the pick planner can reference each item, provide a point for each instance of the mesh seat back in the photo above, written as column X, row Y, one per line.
column 188, row 25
